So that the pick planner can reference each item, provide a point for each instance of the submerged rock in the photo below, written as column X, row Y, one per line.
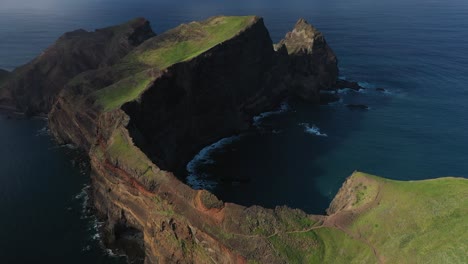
column 327, row 98
column 380, row 89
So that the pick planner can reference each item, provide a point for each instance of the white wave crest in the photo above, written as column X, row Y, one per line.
column 257, row 120
column 197, row 179
column 312, row 129
column 43, row 131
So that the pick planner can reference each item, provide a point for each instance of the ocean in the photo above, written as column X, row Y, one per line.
column 299, row 155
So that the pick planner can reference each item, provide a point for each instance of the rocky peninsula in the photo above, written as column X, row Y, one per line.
column 140, row 105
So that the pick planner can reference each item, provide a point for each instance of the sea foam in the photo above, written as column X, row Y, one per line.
column 199, row 180
column 257, row 120
column 312, row 129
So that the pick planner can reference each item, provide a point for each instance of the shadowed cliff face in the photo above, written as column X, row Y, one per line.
column 3, row 75
column 35, row 86
column 207, row 98
column 185, row 103
column 5, row 95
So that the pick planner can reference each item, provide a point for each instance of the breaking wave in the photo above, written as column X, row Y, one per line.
column 43, row 131
column 257, row 120
column 199, row 180
column 312, row 129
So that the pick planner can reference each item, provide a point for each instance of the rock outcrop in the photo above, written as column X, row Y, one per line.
column 35, row 86
column 345, row 84
column 313, row 63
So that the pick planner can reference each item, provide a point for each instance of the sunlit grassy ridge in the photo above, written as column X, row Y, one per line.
column 177, row 45
column 122, row 151
column 188, row 40
column 125, row 90
column 391, row 222
column 418, row 221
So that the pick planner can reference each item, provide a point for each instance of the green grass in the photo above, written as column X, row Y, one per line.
column 180, row 44
column 323, row 245
column 189, row 40
column 418, row 221
column 338, row 247
column 410, row 222
column 122, row 151
column 299, row 247
column 126, row 90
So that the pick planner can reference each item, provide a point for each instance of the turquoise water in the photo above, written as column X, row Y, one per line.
column 417, row 50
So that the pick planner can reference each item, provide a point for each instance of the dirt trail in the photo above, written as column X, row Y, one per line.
column 342, row 219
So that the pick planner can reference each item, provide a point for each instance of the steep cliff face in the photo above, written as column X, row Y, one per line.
column 209, row 97
column 216, row 94
column 35, row 86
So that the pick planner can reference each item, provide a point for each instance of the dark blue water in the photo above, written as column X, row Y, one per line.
column 416, row 49
column 44, row 216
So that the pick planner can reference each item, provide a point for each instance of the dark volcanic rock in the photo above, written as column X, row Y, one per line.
column 6, row 100
column 358, row 106
column 35, row 85
column 326, row 98
column 343, row 84
column 313, row 64
column 3, row 75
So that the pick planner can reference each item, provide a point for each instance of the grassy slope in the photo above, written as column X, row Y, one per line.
column 410, row 222
column 177, row 45
column 322, row 245
column 418, row 221
column 123, row 151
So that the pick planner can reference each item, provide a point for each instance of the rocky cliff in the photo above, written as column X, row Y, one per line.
column 3, row 75
column 142, row 112
column 141, row 119
column 33, row 88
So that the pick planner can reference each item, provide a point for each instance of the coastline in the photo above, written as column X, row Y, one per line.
column 146, row 205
